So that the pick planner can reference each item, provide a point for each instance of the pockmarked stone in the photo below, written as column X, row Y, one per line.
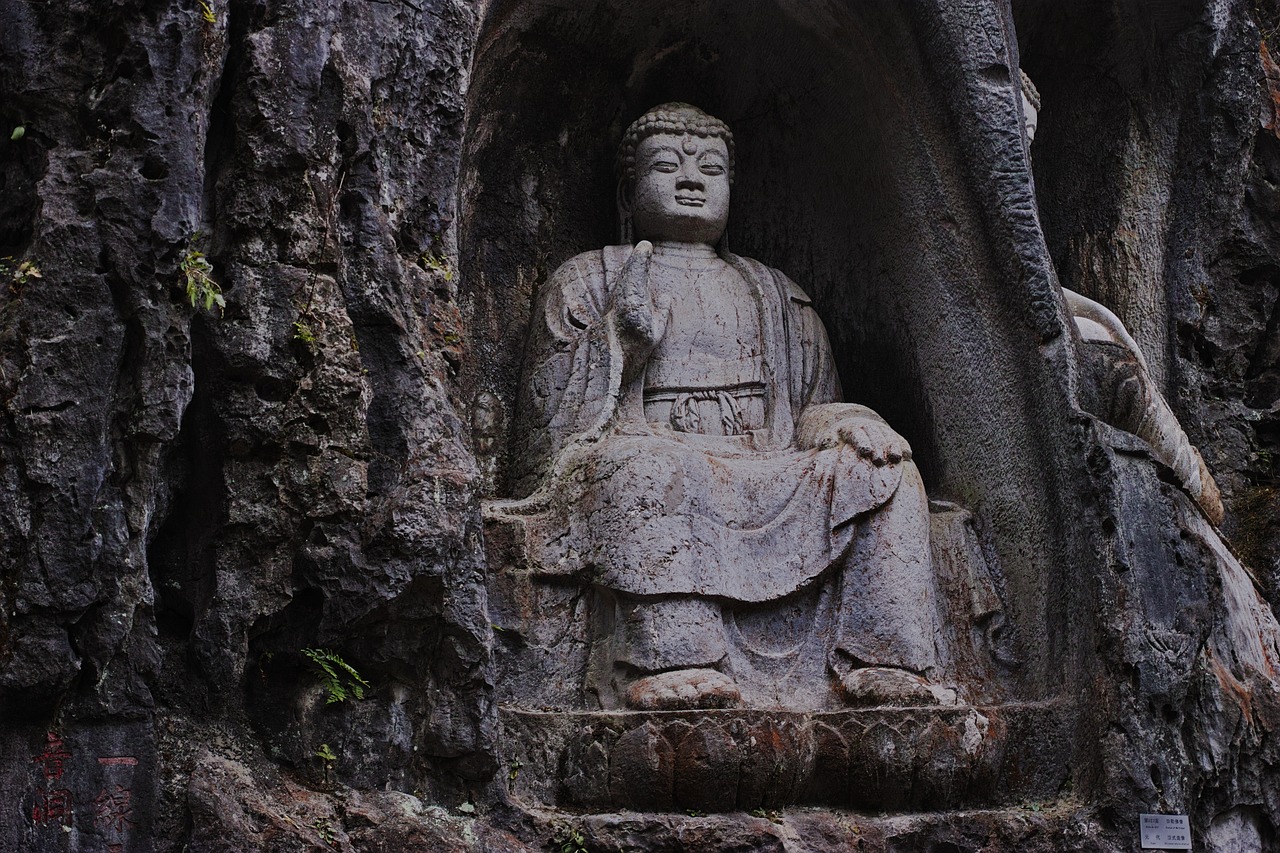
column 190, row 495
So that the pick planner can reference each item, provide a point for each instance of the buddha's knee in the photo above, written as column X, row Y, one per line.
column 639, row 474
column 902, row 522
column 910, row 497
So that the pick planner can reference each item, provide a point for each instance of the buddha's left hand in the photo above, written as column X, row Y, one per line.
column 875, row 440
column 835, row 424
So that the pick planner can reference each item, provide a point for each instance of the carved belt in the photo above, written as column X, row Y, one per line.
column 685, row 416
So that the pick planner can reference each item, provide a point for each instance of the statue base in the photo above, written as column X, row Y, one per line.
column 876, row 759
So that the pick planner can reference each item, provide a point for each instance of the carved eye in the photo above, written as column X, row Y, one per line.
column 711, row 169
column 666, row 166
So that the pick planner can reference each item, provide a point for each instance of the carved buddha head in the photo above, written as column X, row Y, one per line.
column 675, row 171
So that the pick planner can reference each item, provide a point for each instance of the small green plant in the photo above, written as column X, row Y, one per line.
column 308, row 327
column 201, row 288
column 340, row 679
column 695, row 813
column 513, row 770
column 768, row 814
column 436, row 263
column 325, row 830
column 18, row 273
column 570, row 840
column 18, row 132
column 206, row 13
column 302, row 331
column 328, row 756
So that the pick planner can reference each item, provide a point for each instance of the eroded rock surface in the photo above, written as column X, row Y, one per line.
column 191, row 496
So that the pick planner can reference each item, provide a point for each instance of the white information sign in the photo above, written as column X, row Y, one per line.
column 1165, row 832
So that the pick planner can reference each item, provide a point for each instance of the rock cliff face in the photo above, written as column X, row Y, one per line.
column 191, row 495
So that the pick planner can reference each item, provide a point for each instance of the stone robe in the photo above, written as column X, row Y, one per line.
column 649, row 511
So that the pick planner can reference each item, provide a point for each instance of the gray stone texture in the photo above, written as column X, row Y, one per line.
column 189, row 498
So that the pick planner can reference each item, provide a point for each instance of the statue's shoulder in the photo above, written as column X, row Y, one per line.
column 791, row 291
column 582, row 277
column 577, row 293
column 795, row 293
column 593, row 270
column 585, row 265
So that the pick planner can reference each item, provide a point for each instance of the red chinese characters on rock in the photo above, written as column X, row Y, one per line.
column 50, row 761
column 118, row 761
column 113, row 810
column 52, row 807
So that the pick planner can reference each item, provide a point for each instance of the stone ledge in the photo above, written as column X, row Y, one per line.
column 877, row 759
column 1062, row 827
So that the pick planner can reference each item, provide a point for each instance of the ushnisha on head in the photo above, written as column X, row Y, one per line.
column 675, row 168
column 673, row 119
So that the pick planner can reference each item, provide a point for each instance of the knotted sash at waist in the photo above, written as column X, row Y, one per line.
column 739, row 409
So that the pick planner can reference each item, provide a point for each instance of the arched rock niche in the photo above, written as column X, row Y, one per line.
column 860, row 175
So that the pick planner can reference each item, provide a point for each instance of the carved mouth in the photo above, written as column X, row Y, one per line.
column 691, row 200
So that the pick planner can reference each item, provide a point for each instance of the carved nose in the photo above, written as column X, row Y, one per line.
column 688, row 182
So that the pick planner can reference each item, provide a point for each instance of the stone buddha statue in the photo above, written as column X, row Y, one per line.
column 1118, row 386
column 680, row 450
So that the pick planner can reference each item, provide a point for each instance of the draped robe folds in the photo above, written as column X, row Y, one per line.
column 646, row 510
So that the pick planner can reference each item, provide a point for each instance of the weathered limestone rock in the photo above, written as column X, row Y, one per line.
column 190, row 497
column 233, row 809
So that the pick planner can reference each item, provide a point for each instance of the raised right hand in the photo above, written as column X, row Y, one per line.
column 637, row 314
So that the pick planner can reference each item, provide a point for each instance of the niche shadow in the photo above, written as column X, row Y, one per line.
column 849, row 179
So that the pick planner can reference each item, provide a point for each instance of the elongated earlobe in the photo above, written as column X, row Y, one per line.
column 626, row 231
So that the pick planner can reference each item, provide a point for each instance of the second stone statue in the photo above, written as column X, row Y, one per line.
column 681, row 451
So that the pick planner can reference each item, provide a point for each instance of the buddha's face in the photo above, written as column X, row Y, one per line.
column 1031, row 118
column 682, row 189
